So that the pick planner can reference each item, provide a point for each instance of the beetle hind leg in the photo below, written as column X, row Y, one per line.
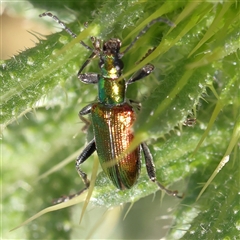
column 151, row 171
column 86, row 153
column 67, row 198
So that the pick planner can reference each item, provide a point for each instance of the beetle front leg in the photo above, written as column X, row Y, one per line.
column 89, row 77
column 151, row 170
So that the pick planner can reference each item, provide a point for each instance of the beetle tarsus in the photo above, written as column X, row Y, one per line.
column 69, row 197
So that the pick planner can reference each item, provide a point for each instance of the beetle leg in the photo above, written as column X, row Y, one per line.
column 95, row 52
column 86, row 110
column 86, row 153
column 67, row 198
column 93, row 55
column 89, row 77
column 91, row 147
column 151, row 170
column 189, row 122
column 135, row 104
column 145, row 71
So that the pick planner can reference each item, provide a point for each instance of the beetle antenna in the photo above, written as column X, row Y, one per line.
column 146, row 55
column 68, row 30
column 160, row 19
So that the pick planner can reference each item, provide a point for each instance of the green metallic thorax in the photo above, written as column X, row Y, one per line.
column 111, row 90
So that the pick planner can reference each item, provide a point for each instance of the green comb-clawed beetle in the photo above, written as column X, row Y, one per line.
column 113, row 115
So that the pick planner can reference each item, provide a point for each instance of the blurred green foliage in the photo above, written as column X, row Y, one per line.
column 196, row 74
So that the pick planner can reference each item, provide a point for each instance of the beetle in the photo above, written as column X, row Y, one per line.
column 113, row 115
